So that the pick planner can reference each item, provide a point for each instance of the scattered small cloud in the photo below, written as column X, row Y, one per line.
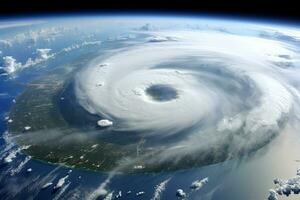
column 180, row 193
column 11, row 65
column 5, row 43
column 272, row 195
column 159, row 189
column 198, row 184
column 11, row 156
column 104, row 123
column 285, row 187
column 43, row 53
column 109, row 196
column 61, row 182
column 20, row 166
column 140, row 193
column 46, row 185
column 86, row 43
column 83, row 44
column 161, row 39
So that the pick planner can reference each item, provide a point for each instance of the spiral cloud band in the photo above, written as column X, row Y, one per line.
column 201, row 90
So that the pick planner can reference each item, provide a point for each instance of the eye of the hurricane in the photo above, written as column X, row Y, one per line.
column 162, row 92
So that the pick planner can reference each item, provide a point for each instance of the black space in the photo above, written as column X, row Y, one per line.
column 263, row 9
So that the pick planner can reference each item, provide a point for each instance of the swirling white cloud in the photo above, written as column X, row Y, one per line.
column 228, row 86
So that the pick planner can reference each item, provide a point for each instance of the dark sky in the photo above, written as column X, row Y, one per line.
column 284, row 9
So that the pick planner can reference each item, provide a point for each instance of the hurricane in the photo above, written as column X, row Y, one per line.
column 193, row 97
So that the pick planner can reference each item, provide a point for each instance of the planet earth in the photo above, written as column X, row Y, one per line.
column 149, row 107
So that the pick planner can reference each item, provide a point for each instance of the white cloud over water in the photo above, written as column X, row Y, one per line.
column 11, row 65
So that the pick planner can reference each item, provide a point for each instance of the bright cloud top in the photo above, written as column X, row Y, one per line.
column 10, row 64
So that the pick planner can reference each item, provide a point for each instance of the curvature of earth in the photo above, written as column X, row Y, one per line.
column 181, row 98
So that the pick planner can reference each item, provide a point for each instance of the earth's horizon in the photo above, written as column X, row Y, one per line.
column 149, row 107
